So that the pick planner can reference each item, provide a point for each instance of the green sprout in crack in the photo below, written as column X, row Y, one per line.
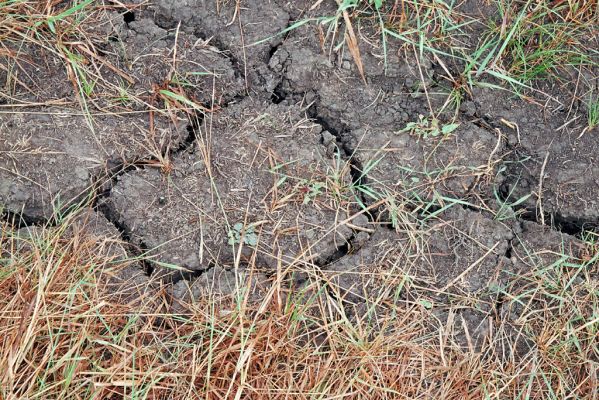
column 123, row 97
column 237, row 232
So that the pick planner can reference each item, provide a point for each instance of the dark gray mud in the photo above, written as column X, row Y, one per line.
column 286, row 158
column 52, row 156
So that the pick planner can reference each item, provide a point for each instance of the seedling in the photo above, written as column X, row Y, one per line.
column 123, row 97
column 377, row 3
column 181, row 100
column 593, row 114
column 428, row 128
column 237, row 232
column 312, row 190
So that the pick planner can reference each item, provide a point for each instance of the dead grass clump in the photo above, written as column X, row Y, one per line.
column 43, row 34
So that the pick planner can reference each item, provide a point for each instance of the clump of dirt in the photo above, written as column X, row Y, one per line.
column 121, row 65
column 540, row 245
column 454, row 263
column 410, row 165
column 547, row 264
column 459, row 252
column 160, row 59
column 246, row 32
column 127, row 282
column 391, row 97
column 258, row 177
column 29, row 73
column 52, row 156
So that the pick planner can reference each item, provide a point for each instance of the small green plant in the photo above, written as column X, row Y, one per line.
column 181, row 100
column 185, row 79
column 377, row 3
column 428, row 128
column 534, row 41
column 312, row 190
column 237, row 232
column 52, row 20
column 123, row 97
column 593, row 114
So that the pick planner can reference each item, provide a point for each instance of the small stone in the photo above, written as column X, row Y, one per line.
column 82, row 173
column 327, row 138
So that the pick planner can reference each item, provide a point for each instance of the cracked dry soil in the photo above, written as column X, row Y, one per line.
column 294, row 149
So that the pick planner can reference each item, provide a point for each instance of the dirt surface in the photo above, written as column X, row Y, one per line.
column 370, row 119
column 147, row 52
column 30, row 74
column 455, row 264
column 555, row 168
column 287, row 157
column 51, row 157
column 258, row 166
column 246, row 32
column 392, row 97
column 458, row 252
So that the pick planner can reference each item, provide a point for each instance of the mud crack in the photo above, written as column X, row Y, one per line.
column 18, row 220
column 103, row 185
column 573, row 225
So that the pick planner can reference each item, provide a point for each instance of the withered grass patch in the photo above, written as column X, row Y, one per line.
column 65, row 336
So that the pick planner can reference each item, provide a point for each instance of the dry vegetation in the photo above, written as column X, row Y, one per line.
column 66, row 334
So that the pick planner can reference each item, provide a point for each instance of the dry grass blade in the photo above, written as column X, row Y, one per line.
column 352, row 42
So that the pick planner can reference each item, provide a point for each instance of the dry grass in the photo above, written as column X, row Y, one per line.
column 520, row 45
column 65, row 336
column 39, row 39
column 60, row 33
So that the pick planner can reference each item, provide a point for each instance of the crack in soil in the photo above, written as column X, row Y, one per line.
column 557, row 222
column 18, row 220
column 190, row 275
column 340, row 133
column 571, row 226
column 103, row 185
column 277, row 96
column 238, row 65
column 99, row 204
column 576, row 227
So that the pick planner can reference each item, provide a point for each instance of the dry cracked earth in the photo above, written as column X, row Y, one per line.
column 291, row 162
